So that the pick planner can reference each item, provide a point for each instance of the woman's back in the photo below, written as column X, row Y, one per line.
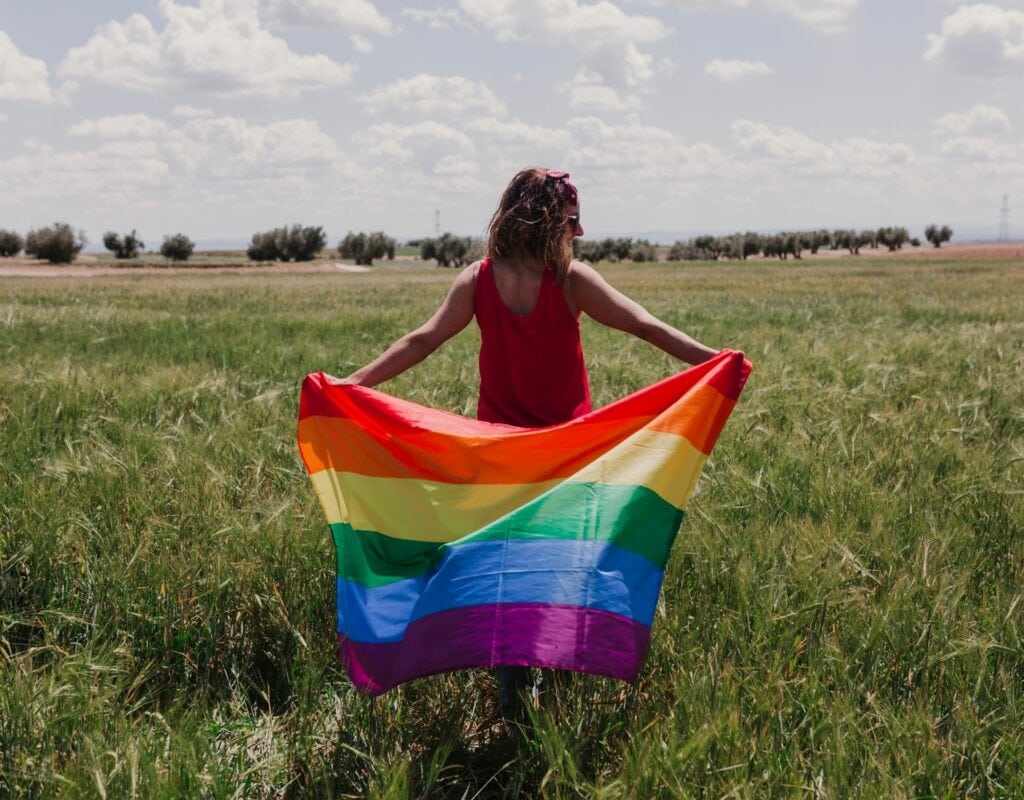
column 532, row 372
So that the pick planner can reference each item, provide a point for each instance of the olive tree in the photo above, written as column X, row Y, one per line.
column 285, row 244
column 363, row 248
column 689, row 251
column 937, row 235
column 58, row 243
column 893, row 238
column 10, row 243
column 177, row 248
column 128, row 247
column 643, row 250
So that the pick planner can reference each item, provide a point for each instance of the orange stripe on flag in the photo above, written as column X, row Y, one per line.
column 536, row 455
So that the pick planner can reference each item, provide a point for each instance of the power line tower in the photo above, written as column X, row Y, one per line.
column 1004, row 219
column 437, row 223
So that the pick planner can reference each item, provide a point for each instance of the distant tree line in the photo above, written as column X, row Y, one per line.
column 614, row 250
column 175, row 248
column 60, row 244
column 449, row 250
column 740, row 246
column 300, row 243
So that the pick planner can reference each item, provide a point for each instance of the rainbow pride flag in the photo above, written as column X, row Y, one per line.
column 463, row 543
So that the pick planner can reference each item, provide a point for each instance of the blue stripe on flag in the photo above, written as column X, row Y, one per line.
column 590, row 574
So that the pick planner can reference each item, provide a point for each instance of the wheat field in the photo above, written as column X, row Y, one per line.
column 841, row 616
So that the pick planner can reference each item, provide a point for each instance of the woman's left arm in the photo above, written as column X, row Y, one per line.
column 595, row 297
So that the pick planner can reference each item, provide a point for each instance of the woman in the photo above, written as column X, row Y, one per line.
column 527, row 295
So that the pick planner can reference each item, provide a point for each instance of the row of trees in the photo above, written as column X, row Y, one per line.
column 614, row 250
column 300, row 243
column 363, row 248
column 176, row 248
column 286, row 244
column 741, row 246
column 60, row 244
column 449, row 250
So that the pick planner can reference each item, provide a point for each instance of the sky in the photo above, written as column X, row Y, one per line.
column 219, row 118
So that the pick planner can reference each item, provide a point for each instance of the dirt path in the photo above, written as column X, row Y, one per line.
column 31, row 268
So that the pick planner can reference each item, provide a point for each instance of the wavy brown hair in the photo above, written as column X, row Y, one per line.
column 530, row 223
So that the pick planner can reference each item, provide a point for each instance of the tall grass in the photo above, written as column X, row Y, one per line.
column 841, row 614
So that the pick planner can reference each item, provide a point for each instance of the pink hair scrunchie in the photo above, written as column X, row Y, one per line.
column 567, row 189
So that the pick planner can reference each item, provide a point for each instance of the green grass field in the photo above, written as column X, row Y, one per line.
column 841, row 616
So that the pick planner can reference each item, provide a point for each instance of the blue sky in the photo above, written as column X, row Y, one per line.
column 222, row 117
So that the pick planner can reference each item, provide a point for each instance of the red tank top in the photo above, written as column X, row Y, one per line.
column 531, row 365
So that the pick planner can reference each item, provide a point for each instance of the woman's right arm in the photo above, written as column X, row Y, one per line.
column 595, row 297
column 454, row 314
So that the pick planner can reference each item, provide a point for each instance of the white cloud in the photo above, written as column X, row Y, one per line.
column 121, row 126
column 432, row 94
column 611, row 68
column 346, row 15
column 553, row 22
column 981, row 119
column 778, row 143
column 729, row 70
column 45, row 173
column 502, row 133
column 619, row 64
column 191, row 111
column 506, row 146
column 604, row 39
column 22, row 77
column 979, row 149
column 232, row 147
column 135, row 154
column 218, row 47
column 634, row 153
column 588, row 91
column 438, row 19
column 981, row 39
column 406, row 142
column 412, row 161
column 829, row 16
column 361, row 44
column 455, row 165
column 786, row 147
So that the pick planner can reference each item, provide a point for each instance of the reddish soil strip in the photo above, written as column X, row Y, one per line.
column 30, row 268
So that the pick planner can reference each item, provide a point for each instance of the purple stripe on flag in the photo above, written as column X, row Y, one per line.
column 535, row 634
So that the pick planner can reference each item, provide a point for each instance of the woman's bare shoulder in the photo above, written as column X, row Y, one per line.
column 468, row 274
column 472, row 272
column 583, row 273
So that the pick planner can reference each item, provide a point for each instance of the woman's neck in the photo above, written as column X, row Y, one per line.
column 520, row 267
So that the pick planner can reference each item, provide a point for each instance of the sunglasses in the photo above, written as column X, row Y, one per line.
column 574, row 223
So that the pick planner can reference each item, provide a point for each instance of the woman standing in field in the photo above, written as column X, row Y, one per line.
column 527, row 295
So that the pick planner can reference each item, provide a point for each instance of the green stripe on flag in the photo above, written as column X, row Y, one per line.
column 632, row 517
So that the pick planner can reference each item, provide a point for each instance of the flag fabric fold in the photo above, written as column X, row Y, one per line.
column 462, row 543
